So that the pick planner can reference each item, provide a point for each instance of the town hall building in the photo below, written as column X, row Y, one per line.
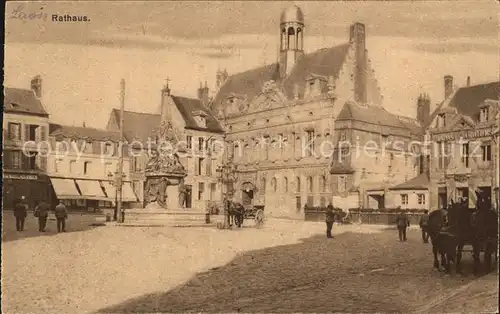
column 281, row 121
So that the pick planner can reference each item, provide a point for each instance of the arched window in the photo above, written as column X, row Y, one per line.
column 274, row 184
column 310, row 184
column 298, row 185
column 291, row 38
column 285, row 184
column 299, row 39
column 263, row 184
column 323, row 184
column 283, row 39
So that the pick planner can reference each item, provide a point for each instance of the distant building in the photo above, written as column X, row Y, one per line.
column 25, row 126
column 379, row 160
column 280, row 117
column 82, row 164
column 459, row 169
column 197, row 131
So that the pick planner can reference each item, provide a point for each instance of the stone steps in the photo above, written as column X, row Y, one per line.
column 171, row 218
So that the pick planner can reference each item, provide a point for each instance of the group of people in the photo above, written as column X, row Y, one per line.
column 41, row 212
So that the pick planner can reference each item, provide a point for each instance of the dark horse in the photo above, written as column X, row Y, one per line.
column 441, row 243
column 235, row 213
column 451, row 229
column 485, row 233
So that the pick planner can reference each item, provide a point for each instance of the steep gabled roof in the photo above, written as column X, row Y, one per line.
column 23, row 101
column 420, row 182
column 76, row 132
column 188, row 107
column 137, row 125
column 378, row 116
column 468, row 99
column 325, row 62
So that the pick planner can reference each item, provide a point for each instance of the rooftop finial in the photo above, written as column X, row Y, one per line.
column 167, row 81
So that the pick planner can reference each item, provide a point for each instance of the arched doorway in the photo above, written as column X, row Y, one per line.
column 248, row 190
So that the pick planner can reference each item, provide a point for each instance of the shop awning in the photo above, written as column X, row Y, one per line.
column 128, row 194
column 110, row 190
column 91, row 190
column 65, row 188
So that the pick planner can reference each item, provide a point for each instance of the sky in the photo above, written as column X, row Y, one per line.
column 411, row 45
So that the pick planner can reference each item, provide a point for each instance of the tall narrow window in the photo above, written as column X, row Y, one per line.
column 310, row 184
column 263, row 185
column 484, row 114
column 200, row 166
column 465, row 154
column 486, row 152
column 14, row 131
column 72, row 166
column 298, row 185
column 404, row 199
column 201, row 141
column 285, row 184
column 274, row 184
column 209, row 167
column 342, row 184
column 291, row 38
column 201, row 190
column 16, row 159
column 323, row 184
column 189, row 141
column 310, row 143
column 86, row 167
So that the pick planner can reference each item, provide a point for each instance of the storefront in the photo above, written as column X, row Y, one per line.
column 34, row 187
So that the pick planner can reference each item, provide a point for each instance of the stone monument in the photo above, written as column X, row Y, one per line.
column 164, row 172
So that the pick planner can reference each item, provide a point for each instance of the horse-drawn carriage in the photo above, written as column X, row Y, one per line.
column 237, row 213
column 457, row 226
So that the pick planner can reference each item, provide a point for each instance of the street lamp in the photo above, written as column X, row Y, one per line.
column 227, row 174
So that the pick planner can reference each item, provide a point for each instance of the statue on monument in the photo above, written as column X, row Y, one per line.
column 164, row 167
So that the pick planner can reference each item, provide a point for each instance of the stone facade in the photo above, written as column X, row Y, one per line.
column 25, row 129
column 280, row 118
column 464, row 152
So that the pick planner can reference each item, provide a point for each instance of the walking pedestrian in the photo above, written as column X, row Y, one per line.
column 330, row 219
column 402, row 223
column 20, row 212
column 61, row 216
column 42, row 212
column 423, row 225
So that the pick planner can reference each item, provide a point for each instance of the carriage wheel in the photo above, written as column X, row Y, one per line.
column 259, row 218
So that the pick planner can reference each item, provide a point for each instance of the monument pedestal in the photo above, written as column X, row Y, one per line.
column 148, row 217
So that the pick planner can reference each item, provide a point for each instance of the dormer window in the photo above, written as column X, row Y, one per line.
column 200, row 118
column 441, row 121
column 484, row 114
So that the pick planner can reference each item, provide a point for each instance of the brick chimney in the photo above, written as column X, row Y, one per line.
column 423, row 108
column 448, row 86
column 358, row 42
column 36, row 86
column 203, row 94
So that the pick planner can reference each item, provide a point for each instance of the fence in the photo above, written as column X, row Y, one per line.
column 386, row 216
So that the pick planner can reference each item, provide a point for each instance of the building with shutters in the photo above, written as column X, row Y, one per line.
column 25, row 127
column 82, row 166
column 199, row 137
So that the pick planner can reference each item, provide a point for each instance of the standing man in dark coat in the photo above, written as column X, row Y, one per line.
column 20, row 212
column 61, row 215
column 330, row 219
column 42, row 212
column 424, row 220
column 402, row 222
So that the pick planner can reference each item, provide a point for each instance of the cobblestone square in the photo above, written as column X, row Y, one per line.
column 126, row 269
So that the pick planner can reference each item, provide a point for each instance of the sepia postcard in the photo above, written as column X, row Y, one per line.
column 255, row 157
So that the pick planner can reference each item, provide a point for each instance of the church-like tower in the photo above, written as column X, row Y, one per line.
column 291, row 39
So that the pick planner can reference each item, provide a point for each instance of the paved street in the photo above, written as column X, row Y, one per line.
column 120, row 269
column 76, row 222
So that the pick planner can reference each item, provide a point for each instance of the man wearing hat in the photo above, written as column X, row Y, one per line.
column 20, row 212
